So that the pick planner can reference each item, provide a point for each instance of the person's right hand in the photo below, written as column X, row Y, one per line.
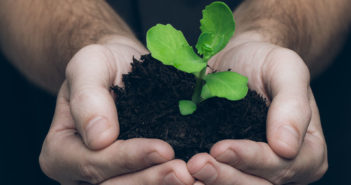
column 81, row 146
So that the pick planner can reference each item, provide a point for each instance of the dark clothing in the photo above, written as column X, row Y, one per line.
column 26, row 111
column 184, row 15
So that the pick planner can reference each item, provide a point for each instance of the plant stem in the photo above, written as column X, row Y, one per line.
column 196, row 98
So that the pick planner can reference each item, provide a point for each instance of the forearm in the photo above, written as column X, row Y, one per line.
column 39, row 37
column 315, row 29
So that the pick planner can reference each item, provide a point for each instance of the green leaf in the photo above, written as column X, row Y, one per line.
column 169, row 46
column 229, row 85
column 217, row 27
column 186, row 107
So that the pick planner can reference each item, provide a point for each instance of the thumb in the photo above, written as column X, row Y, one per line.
column 289, row 114
column 90, row 74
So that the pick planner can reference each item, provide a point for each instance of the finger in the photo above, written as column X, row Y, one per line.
column 259, row 159
column 207, row 170
column 289, row 113
column 66, row 159
column 251, row 157
column 120, row 158
column 90, row 75
column 170, row 173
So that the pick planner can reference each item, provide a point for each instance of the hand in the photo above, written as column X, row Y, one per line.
column 296, row 151
column 81, row 145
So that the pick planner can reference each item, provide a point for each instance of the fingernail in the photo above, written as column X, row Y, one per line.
column 171, row 179
column 155, row 158
column 198, row 183
column 207, row 174
column 228, row 157
column 95, row 128
column 288, row 136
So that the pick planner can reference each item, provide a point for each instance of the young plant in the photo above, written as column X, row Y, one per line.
column 169, row 46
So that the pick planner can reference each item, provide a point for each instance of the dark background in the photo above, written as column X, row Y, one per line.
column 26, row 111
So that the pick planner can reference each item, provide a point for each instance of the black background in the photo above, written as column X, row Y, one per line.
column 26, row 111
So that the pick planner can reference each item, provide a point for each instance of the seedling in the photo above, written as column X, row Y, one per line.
column 169, row 46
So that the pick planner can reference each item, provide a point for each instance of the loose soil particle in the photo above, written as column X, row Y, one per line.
column 148, row 107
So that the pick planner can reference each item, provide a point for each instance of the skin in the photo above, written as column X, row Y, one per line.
column 97, row 157
column 296, row 149
column 262, row 50
column 84, row 47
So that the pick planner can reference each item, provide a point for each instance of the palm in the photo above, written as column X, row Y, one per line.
column 261, row 62
column 280, row 76
column 94, row 157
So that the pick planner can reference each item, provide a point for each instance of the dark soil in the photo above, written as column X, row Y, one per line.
column 148, row 107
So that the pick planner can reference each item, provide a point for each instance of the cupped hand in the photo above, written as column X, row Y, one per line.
column 81, row 146
column 296, row 151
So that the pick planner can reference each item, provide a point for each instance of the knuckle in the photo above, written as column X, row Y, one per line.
column 129, row 165
column 285, row 175
column 80, row 96
column 45, row 158
column 319, row 164
column 127, row 161
column 319, row 173
column 301, row 108
column 44, row 165
column 243, row 164
column 291, row 59
column 247, row 159
column 324, row 168
column 89, row 173
column 69, row 69
column 85, row 103
column 87, row 95
column 79, row 59
column 177, row 163
column 279, row 53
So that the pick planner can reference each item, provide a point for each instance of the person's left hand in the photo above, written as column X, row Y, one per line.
column 296, row 150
